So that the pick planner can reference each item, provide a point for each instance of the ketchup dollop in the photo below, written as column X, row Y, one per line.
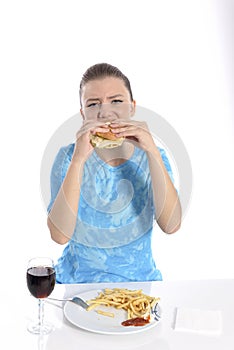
column 136, row 321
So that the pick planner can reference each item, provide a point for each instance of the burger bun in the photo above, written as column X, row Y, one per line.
column 106, row 140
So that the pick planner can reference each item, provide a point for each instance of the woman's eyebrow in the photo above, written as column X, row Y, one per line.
column 92, row 99
column 114, row 96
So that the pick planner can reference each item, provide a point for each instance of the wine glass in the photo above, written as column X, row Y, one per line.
column 40, row 281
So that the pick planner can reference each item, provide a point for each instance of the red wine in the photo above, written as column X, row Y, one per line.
column 40, row 281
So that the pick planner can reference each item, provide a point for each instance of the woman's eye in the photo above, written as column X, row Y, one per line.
column 116, row 101
column 94, row 104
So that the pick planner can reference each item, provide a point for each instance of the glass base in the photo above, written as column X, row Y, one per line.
column 43, row 329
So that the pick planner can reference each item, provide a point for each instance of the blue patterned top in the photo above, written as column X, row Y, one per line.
column 112, row 238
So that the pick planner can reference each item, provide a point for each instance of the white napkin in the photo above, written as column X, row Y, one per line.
column 199, row 321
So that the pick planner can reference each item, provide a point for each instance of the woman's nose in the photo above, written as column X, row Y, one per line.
column 105, row 111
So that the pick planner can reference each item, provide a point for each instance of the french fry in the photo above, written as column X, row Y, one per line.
column 105, row 313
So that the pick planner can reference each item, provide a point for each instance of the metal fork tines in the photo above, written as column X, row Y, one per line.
column 76, row 300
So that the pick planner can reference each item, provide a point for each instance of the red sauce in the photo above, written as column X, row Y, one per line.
column 137, row 321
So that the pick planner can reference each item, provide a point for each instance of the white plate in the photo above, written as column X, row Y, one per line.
column 94, row 322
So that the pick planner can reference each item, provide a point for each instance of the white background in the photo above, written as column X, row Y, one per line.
column 178, row 56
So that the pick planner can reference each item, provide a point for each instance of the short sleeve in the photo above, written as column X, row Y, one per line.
column 58, row 172
column 166, row 163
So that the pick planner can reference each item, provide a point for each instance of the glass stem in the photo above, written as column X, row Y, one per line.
column 40, row 312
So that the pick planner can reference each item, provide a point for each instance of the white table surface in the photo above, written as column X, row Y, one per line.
column 204, row 295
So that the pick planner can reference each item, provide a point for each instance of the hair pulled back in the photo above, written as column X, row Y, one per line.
column 103, row 70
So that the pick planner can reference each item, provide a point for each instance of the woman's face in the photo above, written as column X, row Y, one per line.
column 107, row 99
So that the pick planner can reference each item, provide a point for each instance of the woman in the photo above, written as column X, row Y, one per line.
column 104, row 201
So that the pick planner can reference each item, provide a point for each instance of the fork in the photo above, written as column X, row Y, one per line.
column 76, row 300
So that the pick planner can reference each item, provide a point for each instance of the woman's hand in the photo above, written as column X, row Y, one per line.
column 134, row 131
column 83, row 147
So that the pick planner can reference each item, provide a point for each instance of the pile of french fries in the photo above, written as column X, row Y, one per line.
column 134, row 302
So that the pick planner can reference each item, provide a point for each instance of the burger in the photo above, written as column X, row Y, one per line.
column 106, row 140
